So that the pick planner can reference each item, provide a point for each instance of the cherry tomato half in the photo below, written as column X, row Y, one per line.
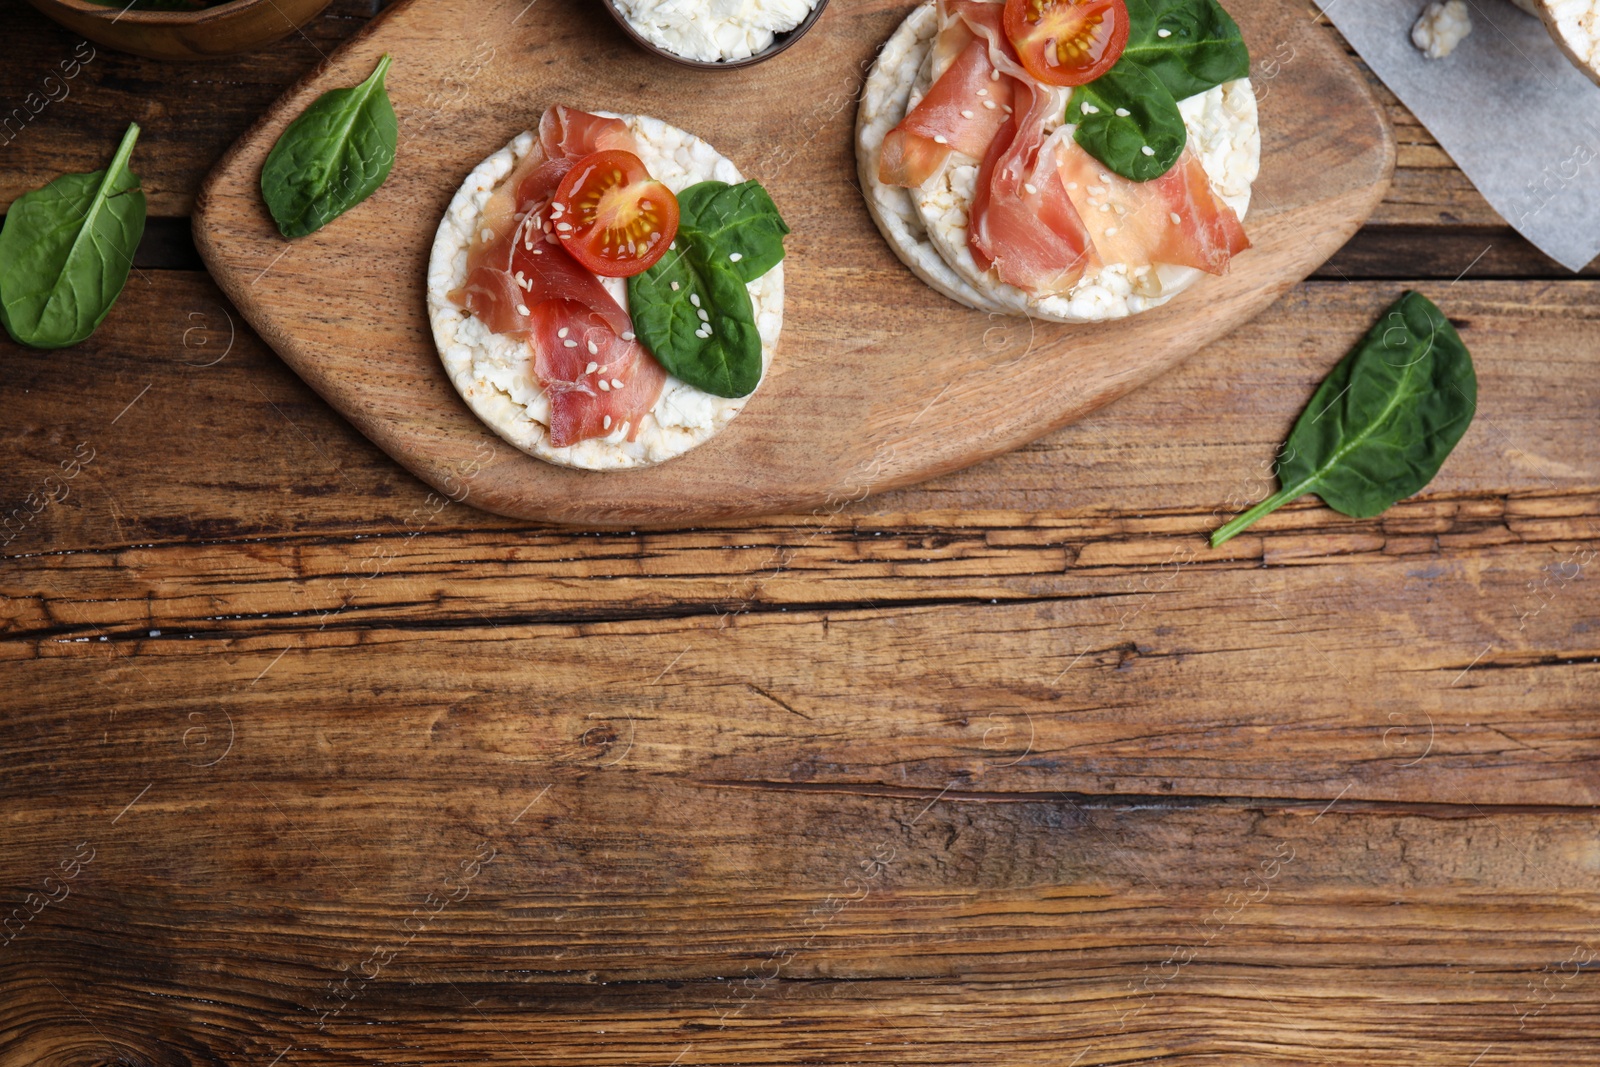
column 1067, row 42
column 612, row 216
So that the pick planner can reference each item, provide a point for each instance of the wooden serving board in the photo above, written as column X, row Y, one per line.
column 879, row 381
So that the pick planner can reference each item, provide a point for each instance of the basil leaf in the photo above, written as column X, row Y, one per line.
column 1380, row 426
column 66, row 250
column 728, row 235
column 335, row 155
column 738, row 220
column 1121, row 114
column 1202, row 49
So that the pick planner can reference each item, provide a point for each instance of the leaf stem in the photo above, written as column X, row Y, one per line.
column 125, row 149
column 1284, row 496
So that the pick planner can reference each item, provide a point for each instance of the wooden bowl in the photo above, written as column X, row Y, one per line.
column 213, row 32
column 783, row 41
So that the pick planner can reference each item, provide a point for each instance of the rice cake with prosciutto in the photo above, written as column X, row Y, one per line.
column 928, row 225
column 495, row 371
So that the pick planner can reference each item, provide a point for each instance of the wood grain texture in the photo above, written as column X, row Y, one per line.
column 969, row 595
column 879, row 381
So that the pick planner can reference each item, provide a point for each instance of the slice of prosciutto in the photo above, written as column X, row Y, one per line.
column 962, row 112
column 1022, row 222
column 522, row 282
column 966, row 105
column 1034, row 219
column 1176, row 218
column 596, row 380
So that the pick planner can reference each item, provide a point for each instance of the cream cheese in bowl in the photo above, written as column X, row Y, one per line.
column 711, row 31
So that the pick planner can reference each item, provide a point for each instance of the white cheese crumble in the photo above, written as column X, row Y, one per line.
column 928, row 227
column 1442, row 25
column 493, row 372
column 713, row 30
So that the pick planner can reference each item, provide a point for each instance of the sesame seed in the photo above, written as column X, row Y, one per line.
column 562, row 333
column 965, row 113
column 606, row 422
column 1177, row 219
column 627, row 335
column 694, row 298
column 1163, row 32
column 1123, row 112
column 983, row 92
column 616, row 383
column 940, row 138
column 1097, row 190
column 591, row 368
column 990, row 104
column 1106, row 178
column 522, row 309
column 674, row 287
column 1006, row 108
column 1111, row 231
column 703, row 316
column 1105, row 207
column 570, row 344
column 1090, row 109
column 605, row 386
column 1033, row 190
column 1147, row 150
column 1072, row 185
column 564, row 227
column 594, row 349
column 486, row 235
column 734, row 257
column 994, row 75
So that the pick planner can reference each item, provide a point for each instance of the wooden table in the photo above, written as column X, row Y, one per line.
column 303, row 765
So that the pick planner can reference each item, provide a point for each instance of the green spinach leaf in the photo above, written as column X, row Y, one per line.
column 1129, row 121
column 335, row 155
column 692, row 310
column 738, row 221
column 720, row 354
column 1201, row 50
column 1176, row 49
column 66, row 250
column 1380, row 426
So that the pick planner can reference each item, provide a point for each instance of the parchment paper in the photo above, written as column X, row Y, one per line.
column 1513, row 112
